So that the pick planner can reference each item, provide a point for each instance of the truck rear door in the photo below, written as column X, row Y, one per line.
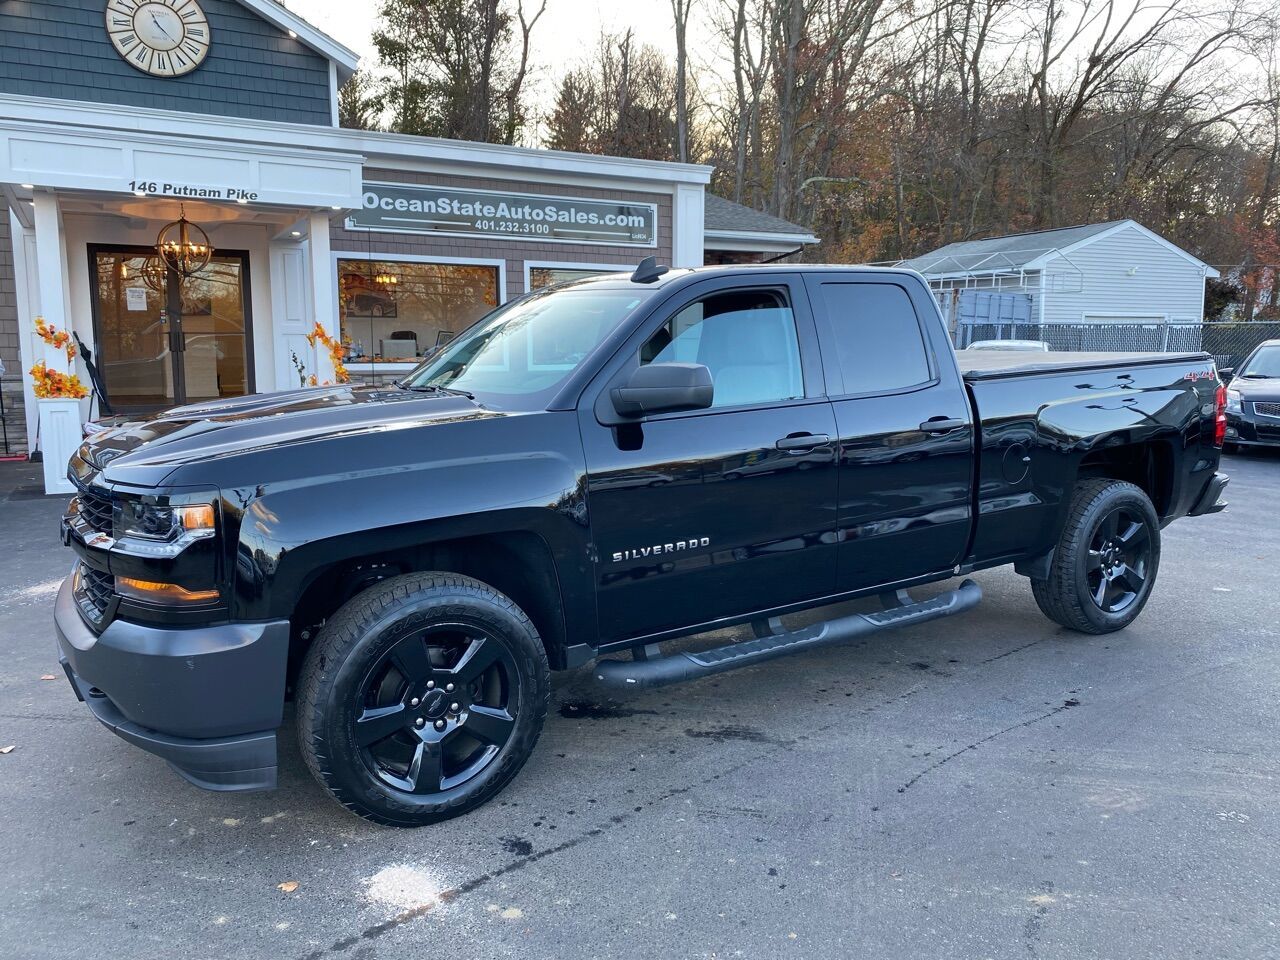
column 904, row 426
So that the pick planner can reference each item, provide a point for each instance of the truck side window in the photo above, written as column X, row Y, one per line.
column 879, row 345
column 746, row 338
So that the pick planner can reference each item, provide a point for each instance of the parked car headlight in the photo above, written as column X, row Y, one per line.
column 1233, row 402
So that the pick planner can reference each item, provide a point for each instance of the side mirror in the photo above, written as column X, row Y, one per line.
column 1226, row 373
column 664, row 388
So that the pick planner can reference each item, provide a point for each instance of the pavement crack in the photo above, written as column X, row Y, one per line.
column 1065, row 705
column 475, row 883
column 1009, row 653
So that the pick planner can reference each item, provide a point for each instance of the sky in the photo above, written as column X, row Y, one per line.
column 567, row 30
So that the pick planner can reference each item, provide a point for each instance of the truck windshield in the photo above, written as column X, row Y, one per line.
column 1264, row 363
column 517, row 356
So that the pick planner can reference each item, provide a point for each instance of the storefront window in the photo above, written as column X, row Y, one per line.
column 396, row 311
column 540, row 277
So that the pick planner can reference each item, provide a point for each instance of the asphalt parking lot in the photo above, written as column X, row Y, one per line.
column 986, row 786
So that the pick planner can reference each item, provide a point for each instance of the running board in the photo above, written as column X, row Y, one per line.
column 656, row 671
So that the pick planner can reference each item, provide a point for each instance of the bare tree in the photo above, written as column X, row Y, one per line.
column 515, row 115
column 680, row 10
column 454, row 68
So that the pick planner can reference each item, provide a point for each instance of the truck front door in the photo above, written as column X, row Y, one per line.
column 715, row 513
column 904, row 423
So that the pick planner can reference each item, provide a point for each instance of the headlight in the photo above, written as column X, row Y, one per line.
column 1233, row 401
column 153, row 530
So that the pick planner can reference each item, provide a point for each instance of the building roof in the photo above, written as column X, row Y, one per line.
column 1028, row 251
column 1012, row 250
column 724, row 217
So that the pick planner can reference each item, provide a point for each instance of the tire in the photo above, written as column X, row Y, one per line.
column 422, row 698
column 1106, row 560
column 1230, row 448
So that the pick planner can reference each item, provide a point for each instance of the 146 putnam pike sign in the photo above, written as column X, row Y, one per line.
column 446, row 210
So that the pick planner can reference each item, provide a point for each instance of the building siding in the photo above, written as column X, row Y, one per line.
column 60, row 48
column 513, row 252
column 11, row 381
column 8, row 300
column 1165, row 285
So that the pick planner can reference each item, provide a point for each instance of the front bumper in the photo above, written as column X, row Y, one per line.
column 1250, row 429
column 206, row 699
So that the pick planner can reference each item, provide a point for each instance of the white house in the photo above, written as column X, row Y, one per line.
column 1110, row 274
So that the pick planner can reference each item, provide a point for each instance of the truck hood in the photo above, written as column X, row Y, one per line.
column 135, row 447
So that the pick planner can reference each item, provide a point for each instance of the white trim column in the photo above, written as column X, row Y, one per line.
column 60, row 430
column 687, row 218
column 324, row 292
column 289, row 321
column 53, row 297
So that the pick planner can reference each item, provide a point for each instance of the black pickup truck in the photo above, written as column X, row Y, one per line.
column 596, row 468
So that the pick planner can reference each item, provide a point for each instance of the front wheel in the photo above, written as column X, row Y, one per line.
column 422, row 698
column 1106, row 559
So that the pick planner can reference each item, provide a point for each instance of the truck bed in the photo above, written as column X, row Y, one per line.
column 990, row 364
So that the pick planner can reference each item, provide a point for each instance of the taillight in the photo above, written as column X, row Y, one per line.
column 1219, row 415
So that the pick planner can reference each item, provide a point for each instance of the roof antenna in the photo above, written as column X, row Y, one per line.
column 649, row 270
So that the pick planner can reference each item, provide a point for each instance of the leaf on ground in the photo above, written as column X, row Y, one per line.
column 48, row 676
column 9, row 749
column 288, row 886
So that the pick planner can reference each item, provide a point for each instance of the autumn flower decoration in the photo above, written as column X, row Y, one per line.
column 337, row 350
column 54, row 384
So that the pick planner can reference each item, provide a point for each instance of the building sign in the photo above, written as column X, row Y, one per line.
column 413, row 208
column 158, row 188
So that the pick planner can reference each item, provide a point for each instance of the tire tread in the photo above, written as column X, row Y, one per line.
column 1057, row 596
column 343, row 631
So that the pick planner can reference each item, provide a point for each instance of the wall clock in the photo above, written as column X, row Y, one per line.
column 165, row 38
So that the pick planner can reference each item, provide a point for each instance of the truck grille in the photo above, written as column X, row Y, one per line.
column 95, row 509
column 95, row 592
column 1268, row 409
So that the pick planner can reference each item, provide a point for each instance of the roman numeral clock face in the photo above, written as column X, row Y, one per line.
column 165, row 38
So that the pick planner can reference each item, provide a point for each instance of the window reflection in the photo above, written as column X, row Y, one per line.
column 398, row 311
column 540, row 277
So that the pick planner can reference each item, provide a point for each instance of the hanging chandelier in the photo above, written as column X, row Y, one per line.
column 386, row 279
column 183, row 246
column 153, row 274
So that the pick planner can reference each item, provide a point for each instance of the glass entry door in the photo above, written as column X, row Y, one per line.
column 164, row 341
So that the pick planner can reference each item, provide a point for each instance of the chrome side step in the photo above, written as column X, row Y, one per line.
column 656, row 671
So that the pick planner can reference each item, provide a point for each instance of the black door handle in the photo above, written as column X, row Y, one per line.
column 803, row 441
column 942, row 425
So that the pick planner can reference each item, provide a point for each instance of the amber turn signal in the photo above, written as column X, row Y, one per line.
column 197, row 517
column 167, row 593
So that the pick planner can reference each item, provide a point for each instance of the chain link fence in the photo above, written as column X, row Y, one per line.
column 1229, row 343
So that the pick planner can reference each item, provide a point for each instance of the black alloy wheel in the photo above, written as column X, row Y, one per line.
column 1104, row 565
column 422, row 698
column 436, row 708
column 1117, row 560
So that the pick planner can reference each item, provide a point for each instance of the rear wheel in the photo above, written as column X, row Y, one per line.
column 422, row 698
column 1106, row 559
